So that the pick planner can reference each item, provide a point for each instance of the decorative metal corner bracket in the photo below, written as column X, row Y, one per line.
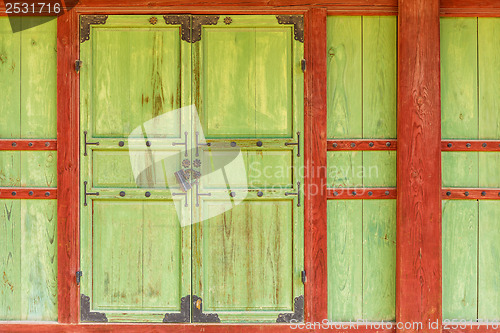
column 298, row 312
column 198, row 21
column 180, row 317
column 298, row 25
column 184, row 21
column 199, row 316
column 86, row 315
column 86, row 21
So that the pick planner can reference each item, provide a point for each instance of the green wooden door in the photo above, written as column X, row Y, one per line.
column 198, row 215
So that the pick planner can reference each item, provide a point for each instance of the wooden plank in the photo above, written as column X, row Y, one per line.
column 362, row 193
column 315, row 204
column 470, row 145
column 488, row 169
column 39, row 260
column 470, row 193
column 460, row 236
column 379, row 260
column 379, row 76
column 344, row 81
column 345, row 169
column 379, row 168
column 460, row 169
column 10, row 259
column 10, row 168
column 10, row 78
column 361, row 144
column 489, row 255
column 459, row 87
column 465, row 8
column 68, row 239
column 38, row 169
column 345, row 267
column 418, row 267
column 26, row 144
column 27, row 193
column 38, row 78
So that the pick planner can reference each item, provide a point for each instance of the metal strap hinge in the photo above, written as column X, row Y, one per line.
column 78, row 65
column 303, row 65
column 295, row 193
column 304, row 278
column 78, row 277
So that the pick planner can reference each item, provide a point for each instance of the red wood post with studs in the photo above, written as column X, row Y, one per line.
column 418, row 266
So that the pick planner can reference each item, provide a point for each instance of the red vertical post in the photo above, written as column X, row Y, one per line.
column 315, row 231
column 67, row 168
column 418, row 280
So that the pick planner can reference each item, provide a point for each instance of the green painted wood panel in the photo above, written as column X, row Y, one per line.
column 28, row 260
column 379, row 76
column 489, row 175
column 459, row 169
column 10, row 78
column 28, row 168
column 459, row 84
column 460, row 251
column 28, row 67
column 489, row 77
column 489, row 257
column 344, row 75
column 379, row 260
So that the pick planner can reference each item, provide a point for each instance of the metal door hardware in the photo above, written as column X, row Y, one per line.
column 298, row 312
column 296, row 193
column 183, row 177
column 185, row 144
column 198, row 195
column 180, row 317
column 298, row 25
column 78, row 65
column 199, row 316
column 86, row 21
column 199, row 144
column 295, row 144
column 78, row 277
column 185, row 197
column 303, row 276
column 88, row 143
column 303, row 65
column 87, row 193
column 87, row 316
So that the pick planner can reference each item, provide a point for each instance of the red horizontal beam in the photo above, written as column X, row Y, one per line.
column 470, row 193
column 27, row 193
column 470, row 145
column 361, row 193
column 361, row 144
column 26, row 144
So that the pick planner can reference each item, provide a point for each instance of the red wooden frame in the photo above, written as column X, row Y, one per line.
column 470, row 145
column 28, row 193
column 418, row 249
column 471, row 193
column 361, row 193
column 27, row 144
column 362, row 144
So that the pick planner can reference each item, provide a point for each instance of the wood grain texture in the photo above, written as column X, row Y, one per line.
column 67, row 169
column 25, row 144
column 27, row 193
column 470, row 145
column 315, row 129
column 418, row 286
column 361, row 144
column 470, row 193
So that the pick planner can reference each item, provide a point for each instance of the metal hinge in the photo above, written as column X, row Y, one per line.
column 303, row 65
column 295, row 193
column 304, row 278
column 78, row 65
column 78, row 277
column 87, row 193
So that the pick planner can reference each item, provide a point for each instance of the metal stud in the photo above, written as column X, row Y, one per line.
column 353, row 145
column 388, row 144
column 354, row 193
column 483, row 193
column 468, row 145
column 147, row 194
column 30, row 193
column 259, row 194
column 485, row 145
column 466, row 194
column 232, row 194
column 335, row 145
column 148, row 143
column 47, row 194
column 121, row 143
column 386, row 192
column 14, row 144
column 335, row 193
column 122, row 193
column 30, row 144
column 47, row 144
column 448, row 193
column 371, row 144
column 449, row 145
column 259, row 143
column 233, row 144
column 14, row 193
column 370, row 193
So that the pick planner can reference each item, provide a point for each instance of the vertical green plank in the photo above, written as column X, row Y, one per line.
column 379, row 76
column 460, row 234
column 10, row 260
column 10, row 76
column 344, row 71
column 345, row 260
column 273, row 77
column 379, row 260
column 10, row 168
column 489, row 257
column 379, row 168
column 459, row 104
column 111, row 83
column 345, row 169
column 489, row 175
column 460, row 169
column 489, row 78
column 39, row 168
column 39, row 78
column 39, row 260
column 229, row 82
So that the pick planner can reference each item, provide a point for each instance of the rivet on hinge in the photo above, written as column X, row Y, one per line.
column 78, row 65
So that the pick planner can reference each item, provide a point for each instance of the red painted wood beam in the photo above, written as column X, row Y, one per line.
column 470, row 145
column 67, row 168
column 27, row 144
column 315, row 231
column 418, row 251
column 471, row 193
column 361, row 144
column 27, row 193
column 361, row 193
column 482, row 8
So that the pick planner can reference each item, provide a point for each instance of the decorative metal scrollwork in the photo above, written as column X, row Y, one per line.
column 298, row 25
column 86, row 21
column 86, row 315
column 297, row 315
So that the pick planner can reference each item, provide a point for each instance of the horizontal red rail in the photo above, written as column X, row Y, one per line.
column 361, row 144
column 470, row 193
column 361, row 193
column 26, row 144
column 470, row 145
column 27, row 193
